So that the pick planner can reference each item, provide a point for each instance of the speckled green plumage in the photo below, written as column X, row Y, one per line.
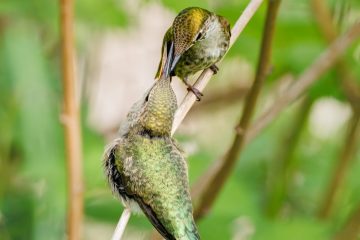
column 145, row 165
column 200, row 39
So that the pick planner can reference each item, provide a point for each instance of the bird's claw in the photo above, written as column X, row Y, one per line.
column 214, row 68
column 196, row 92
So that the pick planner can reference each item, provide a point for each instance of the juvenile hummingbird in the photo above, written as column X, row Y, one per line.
column 196, row 40
column 146, row 168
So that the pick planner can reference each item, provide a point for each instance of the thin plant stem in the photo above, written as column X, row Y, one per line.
column 121, row 225
column 71, row 121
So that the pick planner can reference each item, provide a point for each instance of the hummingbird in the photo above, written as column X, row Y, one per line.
column 196, row 40
column 146, row 168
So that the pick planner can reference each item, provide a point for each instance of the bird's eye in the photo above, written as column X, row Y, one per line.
column 147, row 98
column 199, row 36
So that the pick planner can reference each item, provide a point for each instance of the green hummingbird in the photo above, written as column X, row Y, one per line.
column 196, row 40
column 146, row 168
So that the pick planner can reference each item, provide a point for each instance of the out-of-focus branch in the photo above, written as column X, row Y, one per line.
column 215, row 178
column 323, row 63
column 205, row 76
column 281, row 175
column 346, row 156
column 329, row 30
column 228, row 96
column 324, row 19
column 70, row 118
column 352, row 91
column 351, row 230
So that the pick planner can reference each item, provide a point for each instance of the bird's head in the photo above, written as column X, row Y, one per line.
column 189, row 26
column 225, row 24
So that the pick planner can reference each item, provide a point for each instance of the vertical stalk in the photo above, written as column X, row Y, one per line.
column 71, row 123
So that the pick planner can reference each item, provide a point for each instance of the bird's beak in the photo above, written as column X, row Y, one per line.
column 170, row 62
column 174, row 62
column 169, row 56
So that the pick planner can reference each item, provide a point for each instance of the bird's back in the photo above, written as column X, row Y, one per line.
column 161, row 187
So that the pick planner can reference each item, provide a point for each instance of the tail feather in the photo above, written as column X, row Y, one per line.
column 192, row 233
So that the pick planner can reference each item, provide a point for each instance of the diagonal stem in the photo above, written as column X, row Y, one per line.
column 322, row 64
column 121, row 225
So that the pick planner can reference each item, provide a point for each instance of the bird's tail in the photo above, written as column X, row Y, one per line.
column 190, row 236
column 191, row 232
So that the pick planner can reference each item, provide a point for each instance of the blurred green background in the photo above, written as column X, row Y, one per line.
column 118, row 49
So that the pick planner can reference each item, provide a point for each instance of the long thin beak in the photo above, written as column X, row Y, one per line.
column 174, row 62
column 169, row 57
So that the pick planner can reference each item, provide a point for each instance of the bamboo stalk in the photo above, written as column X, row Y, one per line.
column 70, row 119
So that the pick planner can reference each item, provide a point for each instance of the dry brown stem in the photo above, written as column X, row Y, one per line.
column 70, row 118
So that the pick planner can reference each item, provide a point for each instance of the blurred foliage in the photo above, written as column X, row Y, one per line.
column 32, row 165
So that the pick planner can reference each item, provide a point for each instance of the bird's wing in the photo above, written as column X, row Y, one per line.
column 167, row 41
column 117, row 182
column 115, row 178
column 151, row 215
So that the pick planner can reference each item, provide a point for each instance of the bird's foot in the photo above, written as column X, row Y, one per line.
column 214, row 68
column 196, row 92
